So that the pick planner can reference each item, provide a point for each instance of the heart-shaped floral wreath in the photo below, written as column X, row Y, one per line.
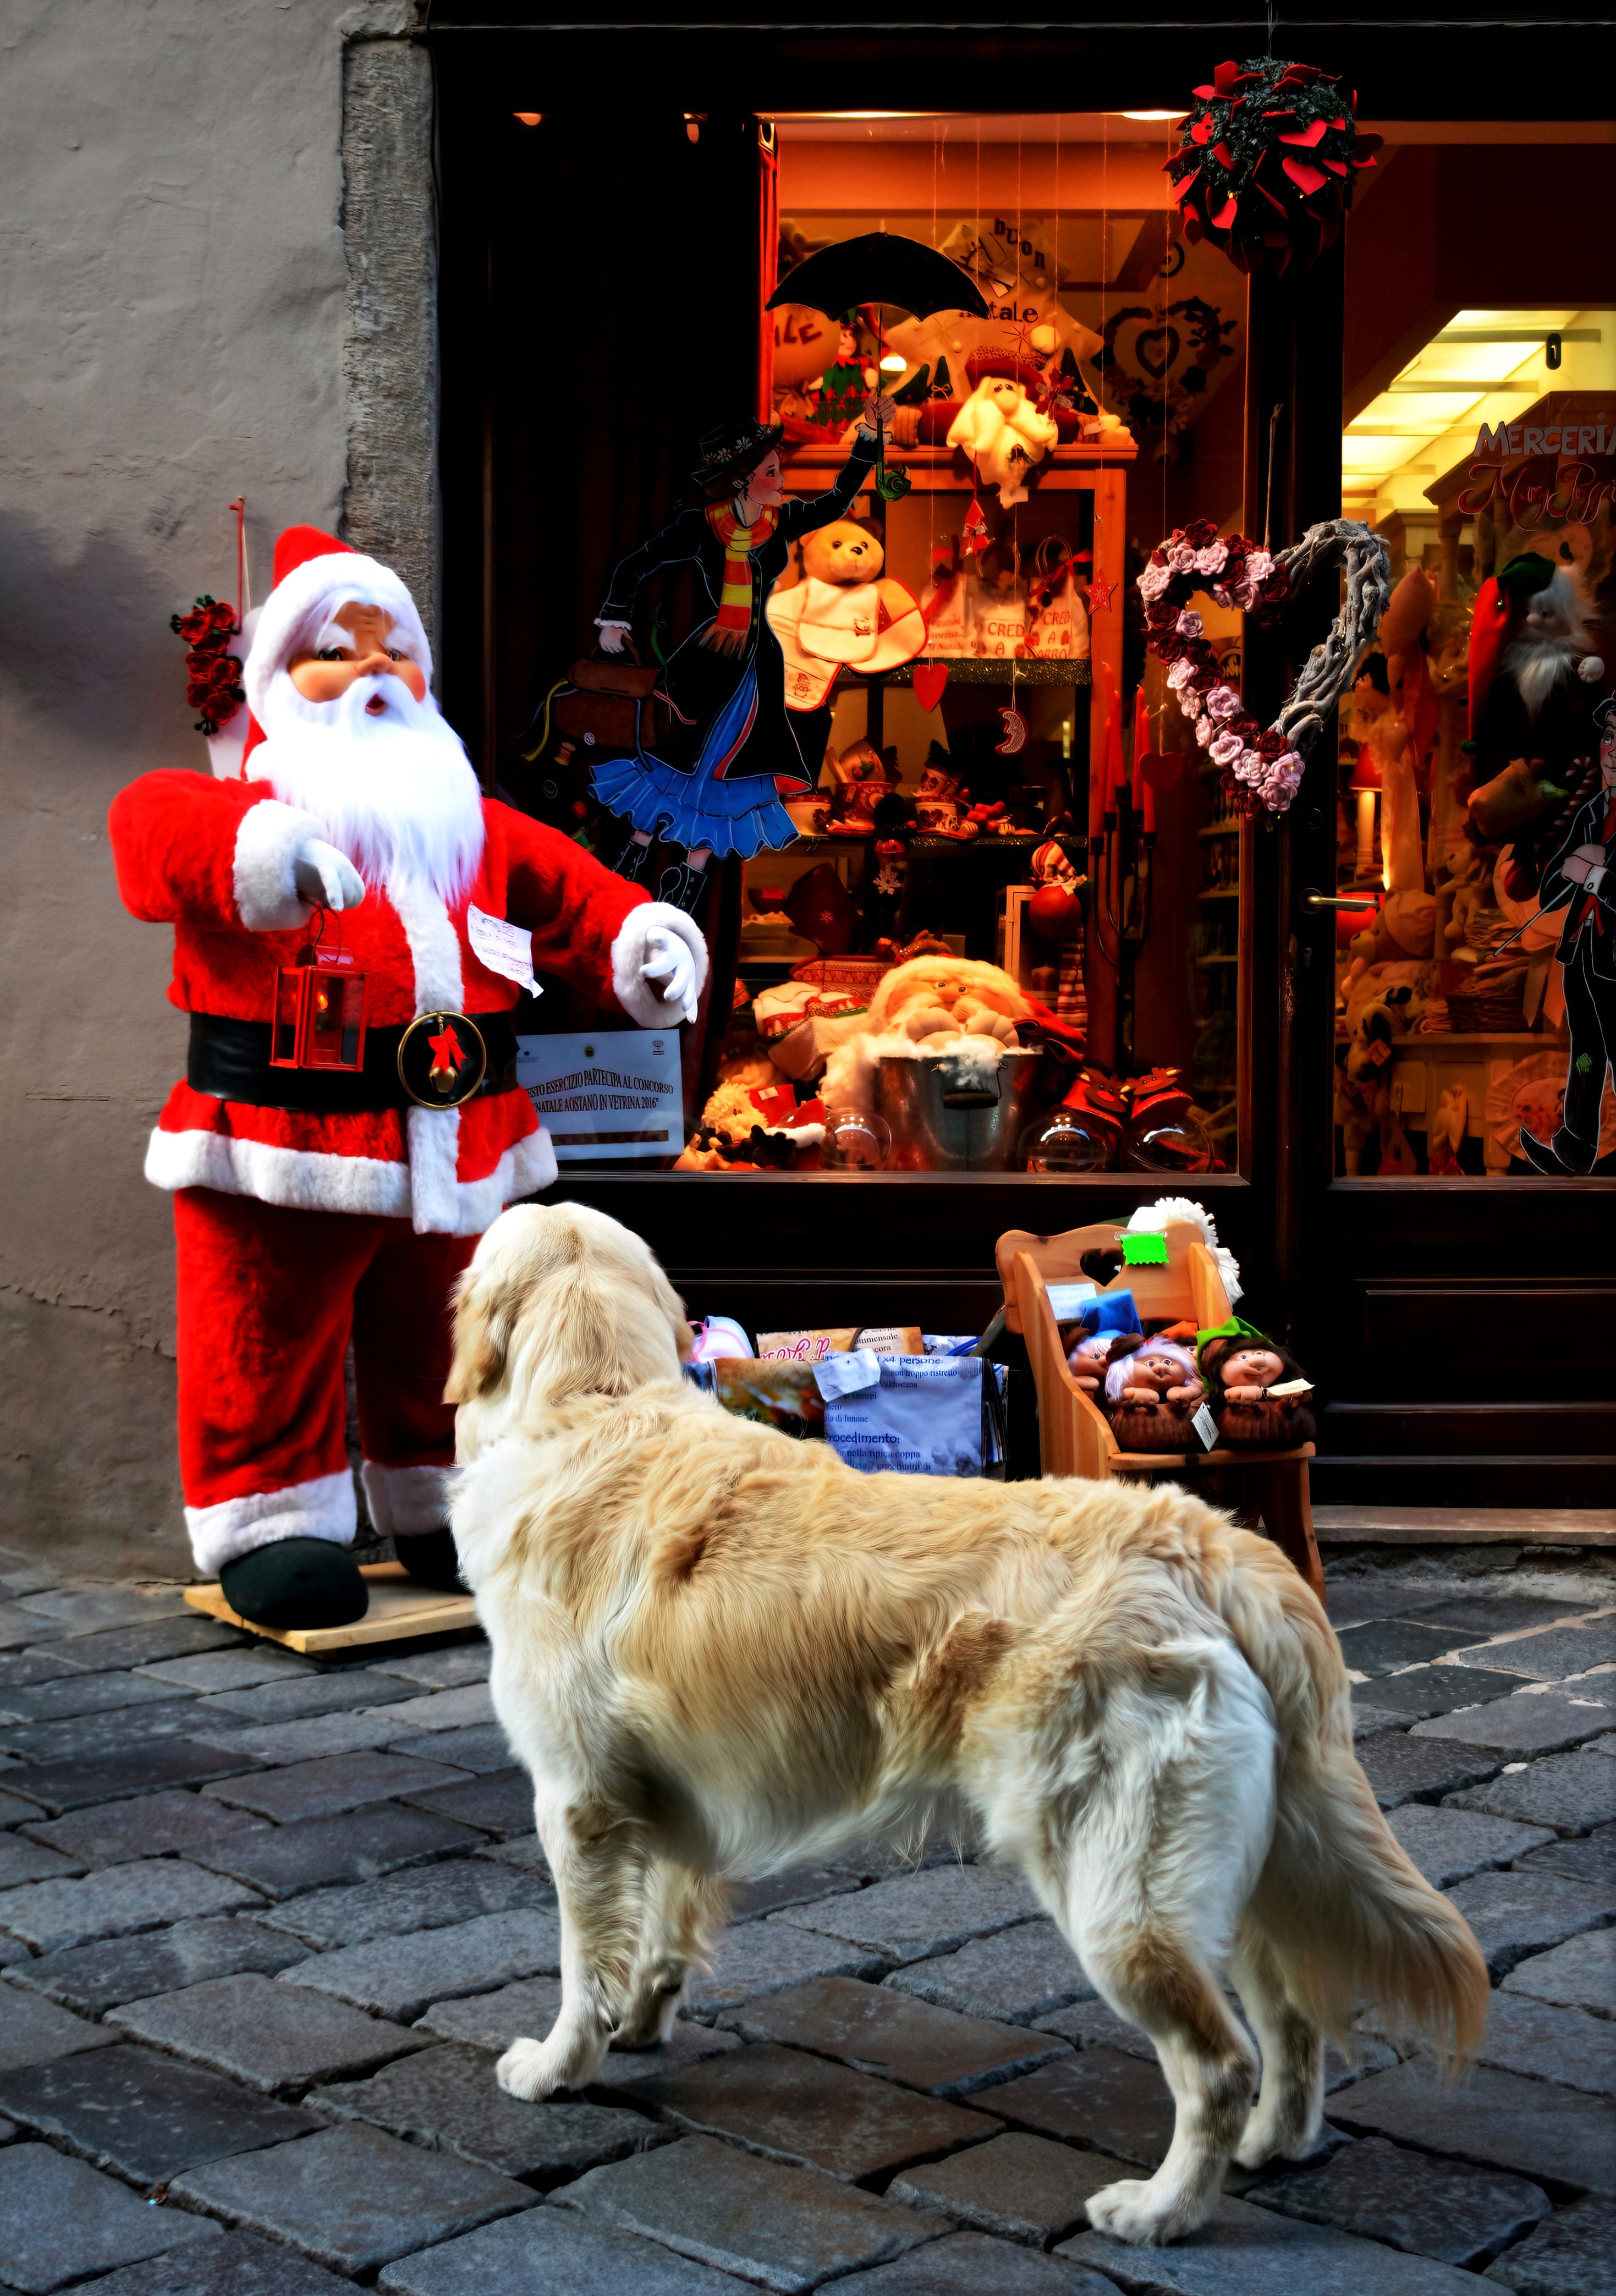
column 1262, row 766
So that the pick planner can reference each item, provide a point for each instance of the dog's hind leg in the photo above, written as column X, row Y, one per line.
column 683, row 1910
column 1284, row 2121
column 598, row 1861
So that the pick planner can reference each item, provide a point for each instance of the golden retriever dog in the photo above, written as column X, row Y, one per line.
column 721, row 1652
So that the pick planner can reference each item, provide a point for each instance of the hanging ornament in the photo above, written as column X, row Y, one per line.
column 1015, row 733
column 974, row 537
column 930, row 679
column 1265, row 167
column 1102, row 590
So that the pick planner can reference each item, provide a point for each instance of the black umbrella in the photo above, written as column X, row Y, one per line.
column 880, row 266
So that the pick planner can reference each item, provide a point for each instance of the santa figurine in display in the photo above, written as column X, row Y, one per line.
column 330, row 1177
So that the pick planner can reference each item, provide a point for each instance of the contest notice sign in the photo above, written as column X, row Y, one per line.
column 611, row 1093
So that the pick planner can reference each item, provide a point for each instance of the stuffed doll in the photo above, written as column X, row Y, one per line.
column 1153, row 1392
column 734, row 750
column 1242, row 1368
column 1093, row 1356
column 1000, row 427
column 1363, row 1098
column 842, row 610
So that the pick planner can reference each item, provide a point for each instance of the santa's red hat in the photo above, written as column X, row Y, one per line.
column 1489, row 628
column 314, row 575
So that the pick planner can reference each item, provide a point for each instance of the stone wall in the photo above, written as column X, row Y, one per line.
column 187, row 320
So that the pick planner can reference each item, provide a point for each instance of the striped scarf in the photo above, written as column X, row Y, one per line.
column 731, row 627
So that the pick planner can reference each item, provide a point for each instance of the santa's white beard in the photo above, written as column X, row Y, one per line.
column 1539, row 659
column 394, row 791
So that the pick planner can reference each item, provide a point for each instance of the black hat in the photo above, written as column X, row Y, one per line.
column 729, row 452
column 1524, row 577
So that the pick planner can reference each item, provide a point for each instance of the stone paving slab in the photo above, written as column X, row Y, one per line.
column 59, row 1787
column 1571, row 1792
column 17, row 1626
column 1367, row 1720
column 212, row 1672
column 1531, row 1723
column 1020, row 1974
column 61, row 2221
column 33, row 2031
column 1562, row 1651
column 1560, row 2139
column 911, row 2042
column 1568, row 2255
column 306, row 1741
column 553, row 2252
column 1549, row 2043
column 439, row 1669
column 1580, row 1974
column 93, row 1979
column 52, row 1916
column 82, row 1610
column 21, row 1861
column 970, row 2263
column 789, row 2106
column 94, row 1737
column 15, row 1809
column 787, row 2228
column 1403, row 1768
column 447, row 2098
column 157, row 1825
column 236, row 2264
column 1103, row 2098
column 528, row 2010
column 1387, row 1646
column 501, row 1804
column 144, row 2117
column 761, row 1958
column 133, row 1646
column 1453, row 1841
column 69, row 1695
column 484, row 1749
column 1591, row 1858
column 1022, row 2188
column 335, row 1783
column 269, row 2034
column 352, row 2198
column 287, row 1861
column 297, row 1698
column 1245, row 2251
column 750, row 1901
column 1516, row 1914
column 401, row 1977
column 425, row 1898
column 915, row 1915
column 437, row 1710
column 1477, row 1618
column 1427, row 1690
column 1463, row 2217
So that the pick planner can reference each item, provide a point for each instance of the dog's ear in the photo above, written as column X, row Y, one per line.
column 482, row 1334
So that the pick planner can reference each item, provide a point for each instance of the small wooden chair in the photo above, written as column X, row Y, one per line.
column 1074, row 1436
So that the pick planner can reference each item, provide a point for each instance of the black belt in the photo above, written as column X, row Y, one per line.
column 230, row 1060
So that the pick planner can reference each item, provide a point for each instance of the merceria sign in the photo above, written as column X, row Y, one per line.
column 1533, row 472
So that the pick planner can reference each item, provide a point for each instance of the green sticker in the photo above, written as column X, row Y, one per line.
column 1144, row 1251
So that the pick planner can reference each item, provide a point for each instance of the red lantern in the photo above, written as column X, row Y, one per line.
column 319, row 1014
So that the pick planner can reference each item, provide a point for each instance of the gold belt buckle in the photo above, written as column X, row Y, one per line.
column 442, row 1059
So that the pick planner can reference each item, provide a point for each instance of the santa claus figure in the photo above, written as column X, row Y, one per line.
column 314, row 1204
column 1535, row 681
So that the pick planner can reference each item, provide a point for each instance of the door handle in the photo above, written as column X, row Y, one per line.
column 1315, row 901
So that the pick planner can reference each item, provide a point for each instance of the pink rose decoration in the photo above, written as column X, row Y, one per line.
column 1181, row 559
column 1223, row 701
column 1189, row 624
column 1204, row 731
column 1153, row 581
column 1212, row 559
column 1181, row 669
column 1223, row 748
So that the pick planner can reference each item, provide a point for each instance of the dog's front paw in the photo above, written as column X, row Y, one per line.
column 1284, row 2131
column 1134, row 2211
column 535, row 2070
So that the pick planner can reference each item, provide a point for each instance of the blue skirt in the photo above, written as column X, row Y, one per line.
column 699, row 806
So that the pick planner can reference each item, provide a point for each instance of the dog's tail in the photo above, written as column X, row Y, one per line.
column 1349, row 1915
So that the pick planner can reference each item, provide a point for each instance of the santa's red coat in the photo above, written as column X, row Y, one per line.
column 215, row 859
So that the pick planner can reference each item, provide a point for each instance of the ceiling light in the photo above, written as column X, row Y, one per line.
column 1152, row 115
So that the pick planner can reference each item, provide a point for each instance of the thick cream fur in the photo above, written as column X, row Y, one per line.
column 721, row 1652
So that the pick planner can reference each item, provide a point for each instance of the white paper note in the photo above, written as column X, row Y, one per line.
column 847, row 1373
column 1205, row 1426
column 505, row 948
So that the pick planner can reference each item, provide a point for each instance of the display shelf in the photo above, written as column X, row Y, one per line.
column 1218, row 893
column 1203, row 962
column 926, row 466
column 989, row 669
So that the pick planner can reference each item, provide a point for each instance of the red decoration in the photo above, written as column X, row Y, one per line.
column 1162, row 767
column 1101, row 592
column 1054, row 914
column 213, row 686
column 930, row 679
column 1236, row 186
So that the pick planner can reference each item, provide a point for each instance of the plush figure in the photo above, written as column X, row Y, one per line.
column 949, row 996
column 312, row 1202
column 842, row 610
column 752, row 1122
column 1152, row 1393
column 734, row 749
column 1000, row 427
column 1363, row 1100
column 1405, row 925
column 1240, row 1367
column 1093, row 1355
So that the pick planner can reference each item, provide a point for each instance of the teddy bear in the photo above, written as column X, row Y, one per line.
column 1151, row 1393
column 1363, row 1101
column 751, row 1121
column 844, row 610
column 1240, row 1368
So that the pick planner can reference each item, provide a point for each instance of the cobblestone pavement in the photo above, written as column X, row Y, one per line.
column 265, row 1924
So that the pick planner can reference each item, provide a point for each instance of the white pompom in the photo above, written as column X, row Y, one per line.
column 1590, row 669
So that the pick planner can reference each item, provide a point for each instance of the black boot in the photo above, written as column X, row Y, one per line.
column 633, row 863
column 1564, row 1157
column 683, row 887
column 296, row 1582
column 430, row 1556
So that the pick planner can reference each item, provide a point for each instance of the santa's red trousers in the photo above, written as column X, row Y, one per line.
column 268, row 1299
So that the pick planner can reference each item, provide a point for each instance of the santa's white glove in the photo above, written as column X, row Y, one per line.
column 659, row 963
column 325, row 878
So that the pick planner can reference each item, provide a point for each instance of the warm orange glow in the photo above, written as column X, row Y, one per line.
column 528, row 118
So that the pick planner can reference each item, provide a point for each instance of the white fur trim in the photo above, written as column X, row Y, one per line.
column 406, row 1499
column 640, row 998
column 434, row 946
column 307, row 1181
column 1153, row 1218
column 434, row 1142
column 266, row 847
column 298, row 608
column 324, row 1508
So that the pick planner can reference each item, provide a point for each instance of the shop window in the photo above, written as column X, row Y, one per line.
column 1469, row 759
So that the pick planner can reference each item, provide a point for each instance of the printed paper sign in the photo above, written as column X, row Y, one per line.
column 846, row 1375
column 505, row 948
column 612, row 1093
column 925, row 1418
column 1068, row 1301
column 1206, row 1426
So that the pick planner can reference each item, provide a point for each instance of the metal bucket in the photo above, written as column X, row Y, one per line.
column 951, row 1127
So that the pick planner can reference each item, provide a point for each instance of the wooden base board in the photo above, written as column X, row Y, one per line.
column 1417, row 1526
column 400, row 1610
